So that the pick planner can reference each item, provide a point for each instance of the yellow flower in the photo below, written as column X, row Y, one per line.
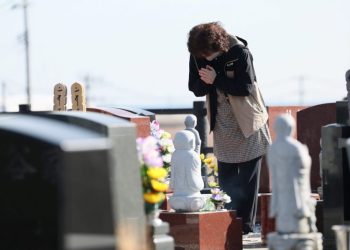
column 213, row 184
column 153, row 197
column 166, row 135
column 208, row 160
column 202, row 157
column 159, row 186
column 156, row 173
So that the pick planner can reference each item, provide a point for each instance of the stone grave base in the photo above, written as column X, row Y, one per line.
column 218, row 230
column 310, row 241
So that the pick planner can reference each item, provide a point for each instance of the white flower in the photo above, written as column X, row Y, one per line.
column 226, row 198
column 171, row 148
column 166, row 158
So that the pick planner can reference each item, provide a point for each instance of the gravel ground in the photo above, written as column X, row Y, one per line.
column 253, row 241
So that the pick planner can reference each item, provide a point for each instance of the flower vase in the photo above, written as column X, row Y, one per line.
column 219, row 206
column 157, row 229
column 152, row 214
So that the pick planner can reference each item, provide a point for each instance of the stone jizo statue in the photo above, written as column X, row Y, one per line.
column 78, row 97
column 186, row 180
column 60, row 97
column 191, row 123
column 289, row 163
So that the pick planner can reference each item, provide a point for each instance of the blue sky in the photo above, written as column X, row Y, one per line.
column 135, row 51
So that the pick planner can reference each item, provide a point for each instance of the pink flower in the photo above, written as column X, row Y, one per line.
column 148, row 150
column 217, row 197
column 153, row 158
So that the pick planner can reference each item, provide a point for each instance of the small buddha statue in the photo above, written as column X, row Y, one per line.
column 191, row 123
column 186, row 180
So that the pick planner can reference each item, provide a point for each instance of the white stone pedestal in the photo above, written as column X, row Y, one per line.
column 309, row 241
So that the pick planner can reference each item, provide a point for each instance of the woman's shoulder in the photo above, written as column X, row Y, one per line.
column 238, row 51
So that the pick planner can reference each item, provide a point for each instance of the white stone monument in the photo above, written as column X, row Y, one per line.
column 186, row 180
column 291, row 204
column 191, row 123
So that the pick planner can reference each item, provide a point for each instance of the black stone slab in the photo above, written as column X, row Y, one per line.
column 336, row 180
column 53, row 184
column 342, row 112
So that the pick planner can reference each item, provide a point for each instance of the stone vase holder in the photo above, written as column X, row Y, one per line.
column 342, row 236
column 220, row 206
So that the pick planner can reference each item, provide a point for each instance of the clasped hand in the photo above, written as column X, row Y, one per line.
column 207, row 74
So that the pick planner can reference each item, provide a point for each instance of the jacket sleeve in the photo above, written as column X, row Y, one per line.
column 241, row 83
column 195, row 84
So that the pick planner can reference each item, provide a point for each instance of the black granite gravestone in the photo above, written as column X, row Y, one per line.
column 54, row 188
column 125, row 171
column 342, row 113
column 336, row 180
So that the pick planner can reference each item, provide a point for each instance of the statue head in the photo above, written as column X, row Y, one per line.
column 284, row 125
column 184, row 140
column 190, row 121
column 60, row 89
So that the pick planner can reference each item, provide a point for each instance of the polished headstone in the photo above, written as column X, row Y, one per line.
column 50, row 173
column 274, row 111
column 309, row 124
column 336, row 179
column 142, row 122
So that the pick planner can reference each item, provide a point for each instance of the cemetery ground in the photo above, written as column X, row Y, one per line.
column 253, row 241
column 72, row 154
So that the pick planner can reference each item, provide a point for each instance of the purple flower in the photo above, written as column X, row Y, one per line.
column 217, row 197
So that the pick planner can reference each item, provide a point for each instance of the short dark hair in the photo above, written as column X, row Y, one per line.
column 206, row 38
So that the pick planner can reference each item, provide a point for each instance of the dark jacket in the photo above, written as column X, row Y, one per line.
column 235, row 75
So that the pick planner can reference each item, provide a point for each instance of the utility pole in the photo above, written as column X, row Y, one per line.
column 26, row 44
column 3, row 96
column 24, row 7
